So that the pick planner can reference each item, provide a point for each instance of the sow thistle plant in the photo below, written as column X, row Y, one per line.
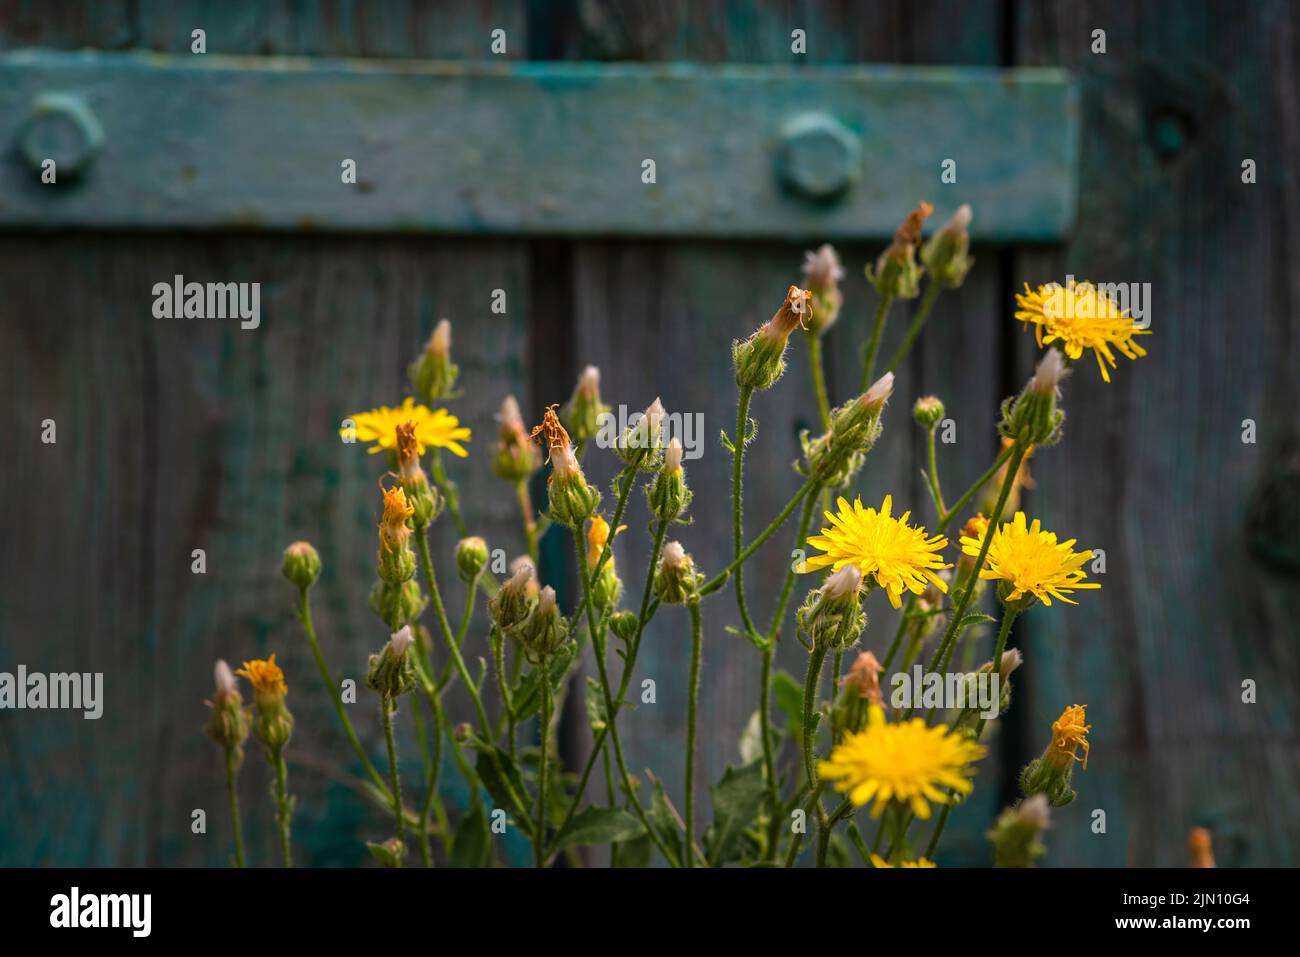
column 871, row 777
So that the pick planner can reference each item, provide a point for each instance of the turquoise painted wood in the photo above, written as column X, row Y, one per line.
column 212, row 141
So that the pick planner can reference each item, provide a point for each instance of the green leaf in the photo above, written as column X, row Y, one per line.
column 972, row 620
column 737, row 799
column 595, row 705
column 599, row 825
column 525, row 697
column 666, row 822
column 473, row 843
column 494, row 769
column 789, row 698
column 751, row 740
column 636, row 852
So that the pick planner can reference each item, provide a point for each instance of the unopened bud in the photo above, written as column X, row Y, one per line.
column 928, row 411
column 1032, row 417
column 760, row 359
column 301, row 564
column 392, row 671
column 1017, row 835
column 545, row 629
column 897, row 274
column 514, row 601
column 471, row 558
column 823, row 271
column 947, row 253
column 642, row 444
column 516, row 456
column 433, row 375
column 583, row 412
column 667, row 494
column 831, row 616
column 676, row 581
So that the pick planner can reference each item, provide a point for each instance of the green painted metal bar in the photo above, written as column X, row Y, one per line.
column 210, row 142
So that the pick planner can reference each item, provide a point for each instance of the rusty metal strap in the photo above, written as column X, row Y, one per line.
column 209, row 142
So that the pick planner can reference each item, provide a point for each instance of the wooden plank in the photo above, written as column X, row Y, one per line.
column 1198, row 595
column 531, row 148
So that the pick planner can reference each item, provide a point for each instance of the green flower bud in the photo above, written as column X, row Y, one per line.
column 471, row 558
column 760, row 359
column 392, row 670
column 397, row 604
column 572, row 499
column 623, row 624
column 433, row 375
column 301, row 564
column 545, row 629
column 897, row 275
column 228, row 725
column 676, row 580
column 1032, row 417
column 831, row 616
column 642, row 444
column 859, row 690
column 928, row 411
column 836, row 456
column 1016, row 836
column 388, row 854
column 667, row 494
column 515, row 599
column 582, row 415
column 946, row 255
column 516, row 456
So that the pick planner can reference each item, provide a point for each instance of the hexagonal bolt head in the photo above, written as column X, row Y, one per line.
column 63, row 128
column 819, row 156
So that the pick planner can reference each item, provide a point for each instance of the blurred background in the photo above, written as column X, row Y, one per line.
column 185, row 434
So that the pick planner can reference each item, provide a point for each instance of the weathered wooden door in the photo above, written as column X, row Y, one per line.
column 523, row 172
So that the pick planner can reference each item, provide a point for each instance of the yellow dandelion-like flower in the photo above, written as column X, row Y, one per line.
column 878, row 861
column 393, row 531
column 597, row 536
column 899, row 556
column 434, row 428
column 1080, row 316
column 1032, row 561
column 1069, row 733
column 908, row 762
column 265, row 676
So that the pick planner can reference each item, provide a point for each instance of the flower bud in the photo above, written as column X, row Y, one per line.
column 1032, row 417
column 463, row 732
column 392, row 670
column 831, row 616
column 946, row 255
column 676, row 580
column 859, row 690
column 516, row 456
column 471, row 558
column 836, row 456
column 824, row 272
column 928, row 411
column 396, row 560
column 228, row 725
column 581, row 416
column 623, row 624
column 424, row 500
column 397, row 603
column 388, row 854
column 897, row 275
column 514, row 601
column 668, row 495
column 606, row 589
column 642, row 444
column 1050, row 774
column 545, row 629
column 572, row 499
column 433, row 375
column 760, row 359
column 1016, row 836
column 301, row 564
column 272, row 722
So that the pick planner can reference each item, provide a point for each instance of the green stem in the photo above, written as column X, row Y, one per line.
column 232, row 766
column 611, row 714
column 936, row 494
column 431, row 784
column 720, row 579
column 737, row 503
column 873, row 344
column 946, row 519
column 824, row 836
column 819, row 379
column 932, row 291
column 461, row 632
column 811, row 683
column 692, row 707
column 386, row 707
column 539, row 833
column 282, row 810
column 304, row 615
column 422, row 544
column 796, row 840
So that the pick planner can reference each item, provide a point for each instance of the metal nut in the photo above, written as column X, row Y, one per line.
column 819, row 156
column 63, row 128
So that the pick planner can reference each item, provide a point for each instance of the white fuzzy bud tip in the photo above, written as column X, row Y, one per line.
column 589, row 381
column 673, row 457
column 1011, row 660
column 224, row 677
column 674, row 555
column 1049, row 373
column 398, row 644
column 960, row 220
column 509, row 414
column 654, row 416
column 1034, row 812
column 823, row 267
column 440, row 343
column 842, row 583
column 880, row 390
column 546, row 600
column 522, row 571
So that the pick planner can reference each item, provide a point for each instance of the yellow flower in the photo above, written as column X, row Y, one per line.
column 878, row 861
column 1070, row 733
column 266, row 678
column 393, row 531
column 906, row 762
column 597, row 536
column 1080, row 316
column 1032, row 561
column 898, row 555
column 434, row 428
